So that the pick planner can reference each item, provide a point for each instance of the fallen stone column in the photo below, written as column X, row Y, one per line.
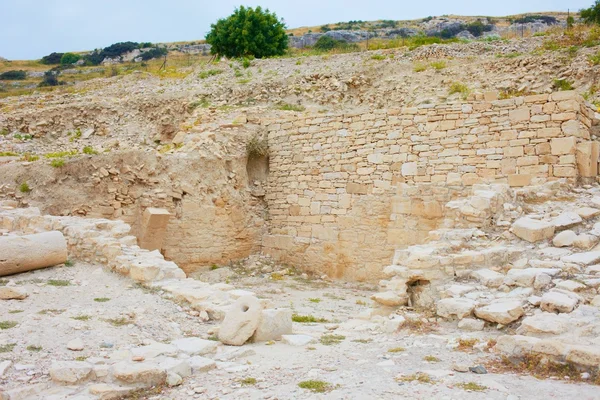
column 29, row 252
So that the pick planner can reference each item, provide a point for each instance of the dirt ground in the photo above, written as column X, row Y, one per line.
column 352, row 355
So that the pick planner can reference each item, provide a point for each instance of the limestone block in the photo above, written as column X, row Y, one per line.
column 557, row 302
column 532, row 230
column 273, row 324
column 588, row 356
column 451, row 307
column 566, row 220
column 297, row 340
column 587, row 258
column 561, row 146
column 503, row 312
column 153, row 228
column 195, row 346
column 12, row 293
column 519, row 180
column 241, row 321
column 515, row 345
column 519, row 115
column 145, row 373
column 29, row 252
column 390, row 299
column 544, row 323
column 587, row 155
column 488, row 277
column 70, row 372
column 201, row 364
column 564, row 239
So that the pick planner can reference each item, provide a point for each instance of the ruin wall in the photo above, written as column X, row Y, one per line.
column 346, row 190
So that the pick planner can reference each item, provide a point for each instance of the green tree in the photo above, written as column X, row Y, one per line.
column 591, row 15
column 570, row 21
column 69, row 58
column 248, row 32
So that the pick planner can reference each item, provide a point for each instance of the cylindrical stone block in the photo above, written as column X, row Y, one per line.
column 29, row 252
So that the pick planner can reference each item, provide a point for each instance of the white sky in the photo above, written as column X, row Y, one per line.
column 30, row 29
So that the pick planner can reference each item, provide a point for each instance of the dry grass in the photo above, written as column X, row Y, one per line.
column 419, row 326
column 419, row 377
column 466, row 344
column 541, row 368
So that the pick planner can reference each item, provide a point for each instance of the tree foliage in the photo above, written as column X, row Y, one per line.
column 13, row 75
column 591, row 15
column 69, row 58
column 248, row 32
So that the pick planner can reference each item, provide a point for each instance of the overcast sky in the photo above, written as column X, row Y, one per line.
column 30, row 29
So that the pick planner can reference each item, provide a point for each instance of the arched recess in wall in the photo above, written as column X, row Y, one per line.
column 257, row 166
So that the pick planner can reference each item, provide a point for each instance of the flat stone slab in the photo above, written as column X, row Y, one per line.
column 297, row 340
column 532, row 230
column 587, row 258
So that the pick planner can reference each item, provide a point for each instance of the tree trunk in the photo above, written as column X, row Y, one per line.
column 29, row 252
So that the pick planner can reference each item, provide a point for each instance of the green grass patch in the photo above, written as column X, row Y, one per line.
column 290, row 107
column 396, row 350
column 315, row 386
column 35, row 349
column 101, row 299
column 461, row 88
column 61, row 154
column 248, row 381
column 314, row 300
column 209, row 73
column 58, row 282
column 8, row 154
column 8, row 324
column 7, row 348
column 82, row 318
column 57, row 163
column 24, row 188
column 471, row 386
column 438, row 65
column 122, row 321
column 89, row 150
column 562, row 84
column 51, row 311
column 15, row 311
column 329, row 340
column 308, row 319
column 431, row 359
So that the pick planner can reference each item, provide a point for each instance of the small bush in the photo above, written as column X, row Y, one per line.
column 8, row 154
column 81, row 318
column 419, row 67
column 315, row 386
column 24, row 188
column 57, row 162
column 329, row 340
column 210, row 72
column 101, row 299
column 257, row 147
column 594, row 59
column 396, row 350
column 438, row 65
column 248, row 381
column 327, row 43
column 419, row 377
column 431, row 359
column 156, row 52
column 50, row 79
column 461, row 88
column 378, row 57
column 246, row 63
column 13, row 75
column 69, row 58
column 30, row 157
column 35, row 349
column 562, row 84
column 89, row 150
column 52, row 59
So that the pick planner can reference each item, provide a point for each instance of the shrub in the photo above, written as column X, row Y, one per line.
column 69, row 58
column 257, row 147
column 533, row 18
column 315, row 386
column 57, row 162
column 248, row 32
column 562, row 84
column 570, row 21
column 325, row 28
column 89, row 150
column 461, row 88
column 50, row 79
column 477, row 28
column 210, row 72
column 156, row 52
column 24, row 188
column 13, row 75
column 327, row 43
column 52, row 59
column 438, row 65
column 246, row 63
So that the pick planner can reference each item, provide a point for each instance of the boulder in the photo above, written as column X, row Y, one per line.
column 451, row 307
column 564, row 239
column 558, row 302
column 201, row 364
column 75, row 345
column 12, row 293
column 273, row 324
column 503, row 312
column 532, row 230
column 241, row 321
column 70, row 372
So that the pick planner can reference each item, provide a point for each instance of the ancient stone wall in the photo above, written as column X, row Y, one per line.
column 346, row 190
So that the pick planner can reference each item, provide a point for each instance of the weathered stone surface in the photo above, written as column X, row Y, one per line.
column 29, row 252
column 201, row 364
column 564, row 238
column 195, row 346
column 70, row 372
column 107, row 392
column 241, row 321
column 566, row 220
column 179, row 366
column 154, row 349
column 503, row 312
column 390, row 299
column 526, row 277
column 488, row 277
column 471, row 324
column 591, row 257
column 297, row 340
column 154, row 228
column 451, row 307
column 12, row 293
column 273, row 324
column 515, row 345
column 75, row 345
column 532, row 230
column 543, row 323
column 144, row 373
column 588, row 356
column 557, row 302
column 173, row 379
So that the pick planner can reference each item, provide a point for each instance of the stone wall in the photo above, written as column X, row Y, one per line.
column 346, row 190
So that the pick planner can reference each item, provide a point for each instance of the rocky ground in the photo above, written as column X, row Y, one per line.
column 93, row 315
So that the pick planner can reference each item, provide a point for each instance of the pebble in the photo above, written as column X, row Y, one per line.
column 479, row 369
